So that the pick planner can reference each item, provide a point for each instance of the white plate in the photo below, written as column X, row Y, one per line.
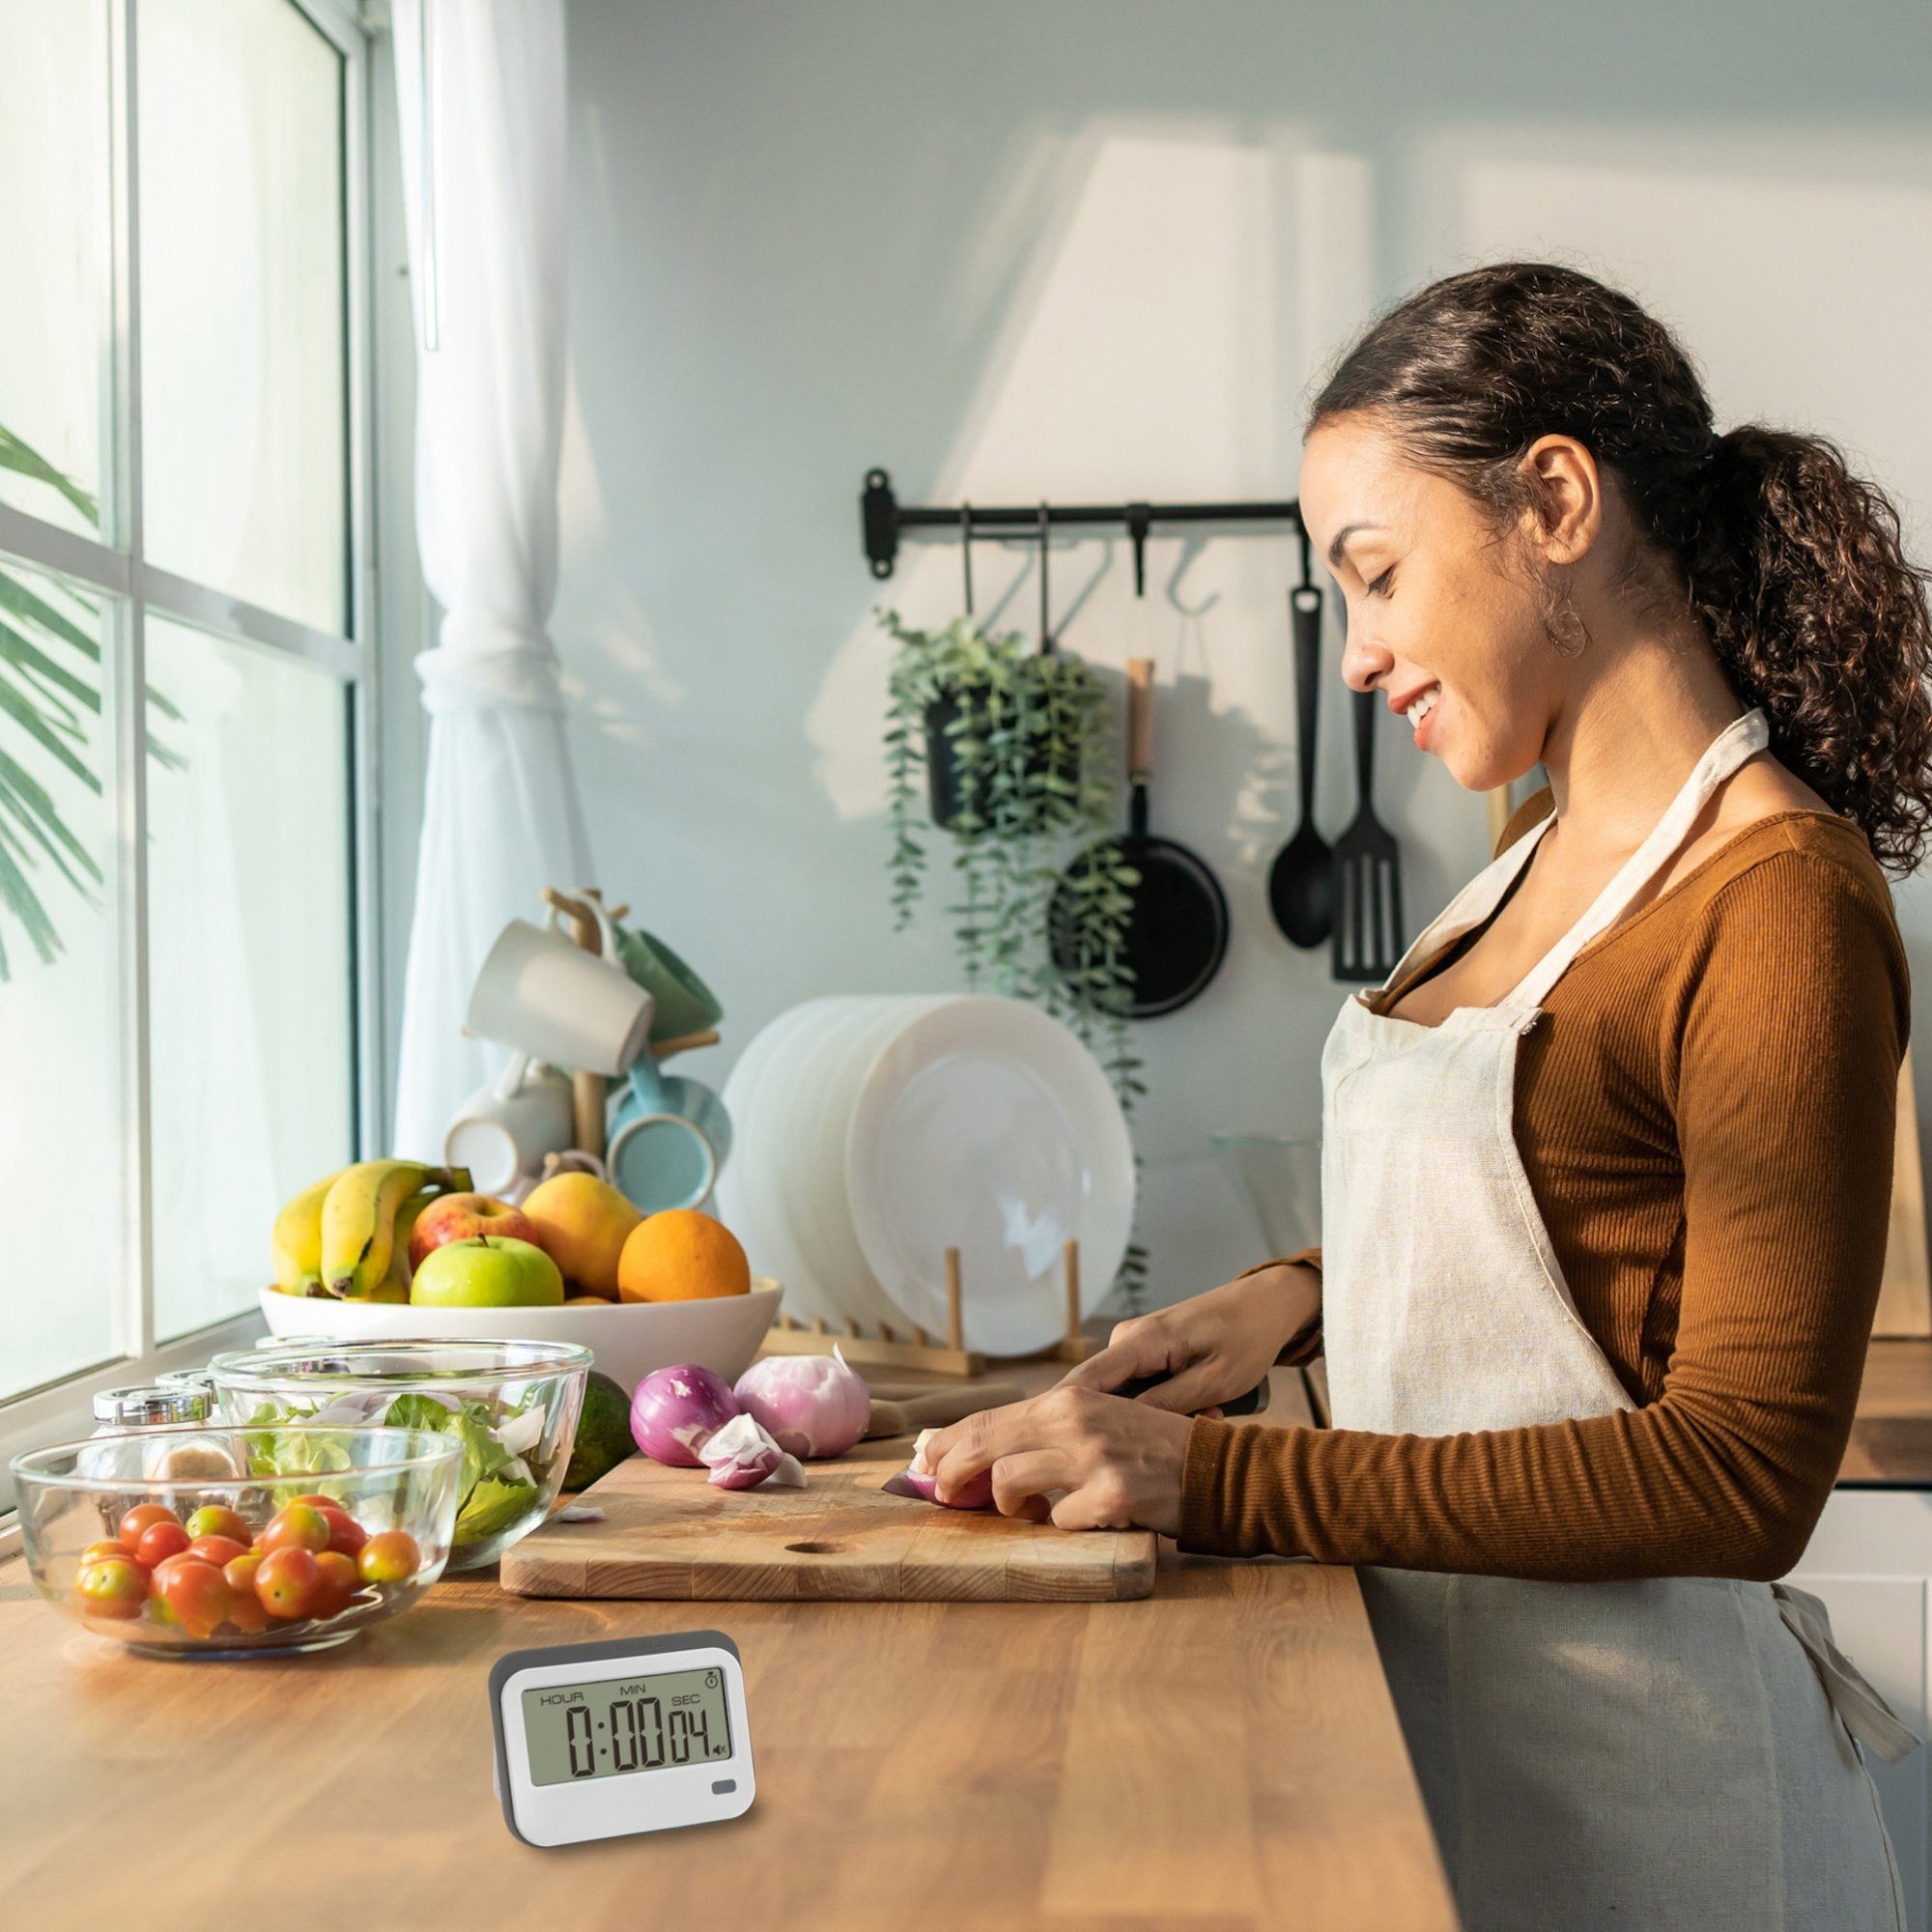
column 772, row 1154
column 814, row 1189
column 721, row 1333
column 985, row 1125
column 745, row 1196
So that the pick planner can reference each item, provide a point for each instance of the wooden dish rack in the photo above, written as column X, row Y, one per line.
column 883, row 1344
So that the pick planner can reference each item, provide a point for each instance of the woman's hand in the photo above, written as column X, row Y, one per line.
column 1214, row 1347
column 1120, row 1462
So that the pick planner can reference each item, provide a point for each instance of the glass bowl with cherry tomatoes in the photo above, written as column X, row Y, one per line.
column 203, row 1541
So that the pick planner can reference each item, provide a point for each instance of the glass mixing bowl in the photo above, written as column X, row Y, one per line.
column 511, row 1408
column 396, row 1488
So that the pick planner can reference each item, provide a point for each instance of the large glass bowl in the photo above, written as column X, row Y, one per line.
column 76, row 1495
column 511, row 1407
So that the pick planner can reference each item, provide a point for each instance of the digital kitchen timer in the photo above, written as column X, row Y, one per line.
column 638, row 1734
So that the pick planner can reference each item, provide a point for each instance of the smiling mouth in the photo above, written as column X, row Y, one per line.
column 1424, row 703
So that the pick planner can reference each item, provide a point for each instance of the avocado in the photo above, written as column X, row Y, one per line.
column 603, row 1433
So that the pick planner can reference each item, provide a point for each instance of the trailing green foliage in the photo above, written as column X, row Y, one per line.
column 49, row 700
column 1027, row 737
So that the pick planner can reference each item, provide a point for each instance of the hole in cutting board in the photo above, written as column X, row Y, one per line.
column 816, row 1548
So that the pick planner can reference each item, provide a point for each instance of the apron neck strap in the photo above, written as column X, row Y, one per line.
column 1739, row 741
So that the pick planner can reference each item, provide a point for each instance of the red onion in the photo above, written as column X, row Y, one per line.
column 917, row 1480
column 811, row 1405
column 741, row 1455
column 676, row 1411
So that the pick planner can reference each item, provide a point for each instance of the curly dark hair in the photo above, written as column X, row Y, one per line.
column 1794, row 564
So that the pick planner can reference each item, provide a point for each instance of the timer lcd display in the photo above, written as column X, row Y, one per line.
column 626, row 1723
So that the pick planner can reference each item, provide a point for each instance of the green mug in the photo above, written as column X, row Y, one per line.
column 685, row 1004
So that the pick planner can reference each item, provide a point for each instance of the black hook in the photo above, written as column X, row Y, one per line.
column 1045, row 624
column 966, row 551
column 1139, row 517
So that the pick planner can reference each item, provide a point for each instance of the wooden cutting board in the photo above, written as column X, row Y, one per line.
column 668, row 1534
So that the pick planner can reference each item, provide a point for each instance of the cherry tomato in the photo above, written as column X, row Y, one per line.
column 390, row 1556
column 337, row 1581
column 142, row 1518
column 299, row 1527
column 316, row 1502
column 113, row 1587
column 198, row 1595
column 220, row 1551
column 158, row 1541
column 286, row 1581
column 241, row 1569
column 345, row 1533
column 212, row 1519
column 246, row 1612
column 158, row 1577
column 103, row 1552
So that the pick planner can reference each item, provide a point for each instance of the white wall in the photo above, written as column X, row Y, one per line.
column 1090, row 249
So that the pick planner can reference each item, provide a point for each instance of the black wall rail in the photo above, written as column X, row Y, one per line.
column 884, row 518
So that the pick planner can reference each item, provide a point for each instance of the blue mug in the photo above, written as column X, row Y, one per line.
column 669, row 1137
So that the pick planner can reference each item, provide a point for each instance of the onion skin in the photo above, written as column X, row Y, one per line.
column 741, row 1455
column 676, row 1411
column 811, row 1406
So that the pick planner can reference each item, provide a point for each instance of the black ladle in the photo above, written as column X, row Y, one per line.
column 1301, row 881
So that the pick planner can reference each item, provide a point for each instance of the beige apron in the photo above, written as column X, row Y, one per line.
column 1674, row 1755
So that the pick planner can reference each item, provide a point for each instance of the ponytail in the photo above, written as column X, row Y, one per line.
column 1794, row 565
column 1797, row 569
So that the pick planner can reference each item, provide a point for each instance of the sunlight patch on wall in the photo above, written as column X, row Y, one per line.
column 1162, row 323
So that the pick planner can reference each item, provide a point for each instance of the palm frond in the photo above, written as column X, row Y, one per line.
column 50, row 696
column 26, row 461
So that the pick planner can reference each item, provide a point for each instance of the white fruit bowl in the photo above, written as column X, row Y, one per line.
column 629, row 1340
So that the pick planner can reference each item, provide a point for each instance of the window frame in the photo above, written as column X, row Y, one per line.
column 119, row 569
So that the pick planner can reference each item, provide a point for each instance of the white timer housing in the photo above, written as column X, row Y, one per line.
column 635, row 1734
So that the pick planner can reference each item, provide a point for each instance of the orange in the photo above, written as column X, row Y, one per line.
column 680, row 1255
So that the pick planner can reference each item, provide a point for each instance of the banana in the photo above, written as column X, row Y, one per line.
column 296, row 1245
column 359, row 1220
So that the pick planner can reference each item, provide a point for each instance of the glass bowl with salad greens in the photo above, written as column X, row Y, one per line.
column 511, row 1407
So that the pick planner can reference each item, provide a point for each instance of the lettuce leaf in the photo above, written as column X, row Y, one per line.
column 417, row 1412
column 494, row 1506
column 492, row 1484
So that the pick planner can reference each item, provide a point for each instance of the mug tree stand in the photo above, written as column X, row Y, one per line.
column 883, row 1346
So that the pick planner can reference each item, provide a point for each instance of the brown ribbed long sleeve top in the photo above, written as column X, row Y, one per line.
column 1706, row 1115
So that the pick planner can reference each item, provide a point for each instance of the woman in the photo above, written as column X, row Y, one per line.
column 1607, row 1161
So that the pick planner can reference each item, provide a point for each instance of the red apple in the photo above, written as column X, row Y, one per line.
column 462, row 1217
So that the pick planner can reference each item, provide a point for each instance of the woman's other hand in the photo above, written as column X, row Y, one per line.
column 1213, row 1347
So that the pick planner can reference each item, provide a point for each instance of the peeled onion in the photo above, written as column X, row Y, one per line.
column 742, row 1455
column 676, row 1411
column 917, row 1480
column 811, row 1406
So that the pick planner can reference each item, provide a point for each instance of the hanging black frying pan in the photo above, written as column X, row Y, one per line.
column 1177, row 932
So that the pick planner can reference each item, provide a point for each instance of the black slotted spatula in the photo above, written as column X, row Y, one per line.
column 1367, row 941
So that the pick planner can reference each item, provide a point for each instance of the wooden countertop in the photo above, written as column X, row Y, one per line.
column 1223, row 1755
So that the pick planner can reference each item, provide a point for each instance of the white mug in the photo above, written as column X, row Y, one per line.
column 503, row 1130
column 539, row 992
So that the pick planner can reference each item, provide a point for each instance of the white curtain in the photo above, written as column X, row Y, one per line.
column 501, row 815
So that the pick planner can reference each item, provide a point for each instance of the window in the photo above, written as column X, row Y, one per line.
column 186, row 670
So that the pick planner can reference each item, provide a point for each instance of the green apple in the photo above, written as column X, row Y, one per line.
column 487, row 1271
